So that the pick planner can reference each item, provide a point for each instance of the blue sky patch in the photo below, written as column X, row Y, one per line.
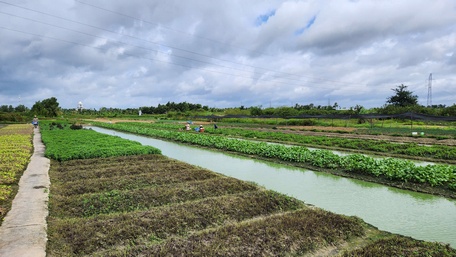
column 264, row 18
column 308, row 25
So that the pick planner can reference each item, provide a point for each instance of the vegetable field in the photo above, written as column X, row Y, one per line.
column 15, row 151
column 388, row 169
column 150, row 205
column 413, row 150
column 63, row 143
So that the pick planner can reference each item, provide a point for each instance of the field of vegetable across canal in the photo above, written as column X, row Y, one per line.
column 420, row 216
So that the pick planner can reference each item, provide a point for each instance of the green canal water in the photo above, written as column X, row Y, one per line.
column 417, row 215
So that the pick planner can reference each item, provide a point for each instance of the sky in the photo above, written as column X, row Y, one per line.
column 226, row 53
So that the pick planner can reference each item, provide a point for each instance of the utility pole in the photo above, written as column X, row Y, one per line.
column 429, row 96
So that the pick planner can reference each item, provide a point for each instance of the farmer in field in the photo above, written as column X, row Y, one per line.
column 35, row 121
column 187, row 127
column 201, row 129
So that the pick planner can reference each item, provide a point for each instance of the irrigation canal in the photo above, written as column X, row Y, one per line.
column 417, row 215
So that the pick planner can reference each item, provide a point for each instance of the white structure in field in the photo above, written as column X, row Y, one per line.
column 80, row 106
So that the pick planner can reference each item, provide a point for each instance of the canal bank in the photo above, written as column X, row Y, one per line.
column 421, row 216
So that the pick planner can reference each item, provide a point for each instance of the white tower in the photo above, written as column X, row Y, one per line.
column 80, row 106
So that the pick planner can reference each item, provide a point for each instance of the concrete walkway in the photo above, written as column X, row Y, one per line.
column 23, row 231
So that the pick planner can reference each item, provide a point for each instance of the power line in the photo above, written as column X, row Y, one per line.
column 208, row 39
column 158, row 51
column 317, row 80
column 137, row 56
column 165, row 27
column 118, row 41
column 138, row 38
column 100, row 48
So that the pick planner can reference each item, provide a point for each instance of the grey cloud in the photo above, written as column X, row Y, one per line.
column 213, row 52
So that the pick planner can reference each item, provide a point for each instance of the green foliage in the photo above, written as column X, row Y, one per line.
column 256, row 111
column 390, row 168
column 411, row 149
column 15, row 150
column 66, row 144
column 48, row 107
column 402, row 97
column 76, row 126
column 173, row 107
column 12, row 117
column 285, row 111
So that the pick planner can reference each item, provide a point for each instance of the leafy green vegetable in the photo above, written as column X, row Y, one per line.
column 66, row 144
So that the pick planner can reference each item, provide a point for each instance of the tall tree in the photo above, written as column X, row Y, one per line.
column 48, row 107
column 402, row 97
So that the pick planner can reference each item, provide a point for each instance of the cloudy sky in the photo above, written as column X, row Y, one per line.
column 226, row 53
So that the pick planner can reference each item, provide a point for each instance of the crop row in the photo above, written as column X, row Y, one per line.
column 131, row 182
column 138, row 164
column 118, row 200
column 183, row 199
column 410, row 149
column 66, row 144
column 15, row 150
column 147, row 221
column 390, row 168
column 400, row 246
column 203, row 214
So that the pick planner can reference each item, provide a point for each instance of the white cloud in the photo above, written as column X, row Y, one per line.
column 225, row 53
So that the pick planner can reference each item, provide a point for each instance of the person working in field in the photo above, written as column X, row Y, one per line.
column 201, row 129
column 35, row 121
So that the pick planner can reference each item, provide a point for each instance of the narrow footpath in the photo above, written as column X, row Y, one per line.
column 23, row 231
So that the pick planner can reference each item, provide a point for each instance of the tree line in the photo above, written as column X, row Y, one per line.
column 401, row 101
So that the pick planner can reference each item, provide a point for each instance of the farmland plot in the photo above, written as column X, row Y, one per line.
column 15, row 151
column 125, row 212
column 150, row 205
column 433, row 179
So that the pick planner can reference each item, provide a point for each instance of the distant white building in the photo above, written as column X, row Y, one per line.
column 80, row 106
